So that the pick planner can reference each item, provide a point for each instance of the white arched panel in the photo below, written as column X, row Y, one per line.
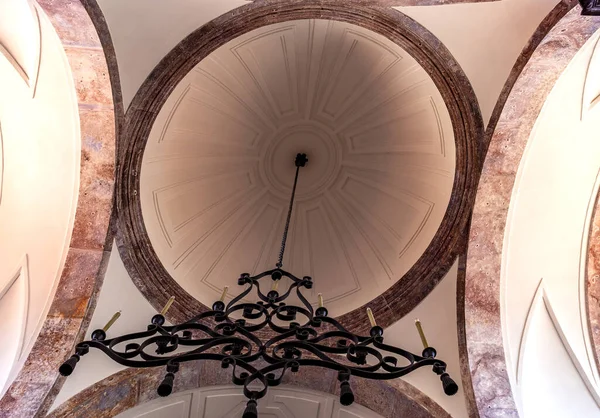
column 561, row 391
column 39, row 179
column 14, row 300
column 178, row 406
column 229, row 402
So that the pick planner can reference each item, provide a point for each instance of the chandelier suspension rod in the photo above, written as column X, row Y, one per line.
column 301, row 161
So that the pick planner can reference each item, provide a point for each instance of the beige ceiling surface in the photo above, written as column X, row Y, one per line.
column 219, row 163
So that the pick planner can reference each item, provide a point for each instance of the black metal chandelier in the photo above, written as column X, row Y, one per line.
column 298, row 336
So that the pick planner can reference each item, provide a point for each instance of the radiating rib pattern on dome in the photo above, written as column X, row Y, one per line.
column 218, row 166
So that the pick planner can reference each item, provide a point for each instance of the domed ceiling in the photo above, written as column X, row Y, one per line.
column 219, row 163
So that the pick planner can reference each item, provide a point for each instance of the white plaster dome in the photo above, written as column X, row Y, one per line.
column 219, row 164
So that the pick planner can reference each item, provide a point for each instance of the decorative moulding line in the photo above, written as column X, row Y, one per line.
column 140, row 259
column 592, row 279
column 20, row 278
column 541, row 300
column 29, row 77
column 591, row 91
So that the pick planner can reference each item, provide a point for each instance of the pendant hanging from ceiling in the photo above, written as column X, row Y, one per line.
column 298, row 337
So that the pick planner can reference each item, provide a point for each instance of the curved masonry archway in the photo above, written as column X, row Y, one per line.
column 486, row 359
column 38, row 381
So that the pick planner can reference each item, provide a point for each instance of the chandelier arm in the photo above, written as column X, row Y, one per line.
column 206, row 345
column 310, row 346
column 164, row 345
column 304, row 300
column 261, row 376
column 295, row 327
column 264, row 273
column 290, row 276
column 124, row 359
column 151, row 331
column 186, row 326
column 340, row 327
column 332, row 364
column 298, row 345
column 319, row 353
column 360, row 371
column 271, row 342
column 196, row 354
column 406, row 354
column 399, row 372
column 241, row 281
column 345, row 335
column 270, row 373
column 261, row 295
column 193, row 320
column 289, row 313
column 283, row 296
column 248, row 334
column 248, row 313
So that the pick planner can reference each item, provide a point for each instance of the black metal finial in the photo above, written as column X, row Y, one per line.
column 301, row 160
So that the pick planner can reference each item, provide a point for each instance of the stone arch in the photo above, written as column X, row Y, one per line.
column 92, row 63
column 535, row 74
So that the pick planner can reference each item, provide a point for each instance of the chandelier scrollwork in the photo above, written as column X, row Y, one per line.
column 261, row 342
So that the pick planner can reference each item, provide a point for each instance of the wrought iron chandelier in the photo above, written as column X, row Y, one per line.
column 298, row 336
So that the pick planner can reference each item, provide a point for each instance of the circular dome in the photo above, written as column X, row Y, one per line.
column 218, row 166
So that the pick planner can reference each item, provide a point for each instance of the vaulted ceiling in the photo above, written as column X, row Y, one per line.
column 219, row 164
column 393, row 132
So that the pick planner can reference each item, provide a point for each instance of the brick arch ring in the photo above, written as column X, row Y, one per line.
column 141, row 261
column 37, row 383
